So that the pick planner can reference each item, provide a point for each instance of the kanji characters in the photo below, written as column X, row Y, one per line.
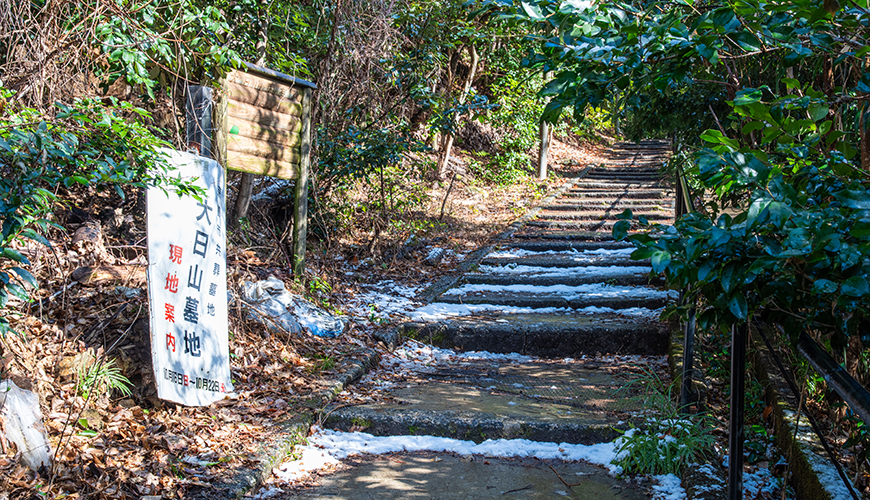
column 172, row 282
column 211, row 309
column 205, row 209
column 191, row 344
column 170, row 341
column 192, row 277
column 217, row 269
column 191, row 310
column 200, row 243
column 212, row 289
column 170, row 312
column 175, row 253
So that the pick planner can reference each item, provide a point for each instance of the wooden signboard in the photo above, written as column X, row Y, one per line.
column 264, row 128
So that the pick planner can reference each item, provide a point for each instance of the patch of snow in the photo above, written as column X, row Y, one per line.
column 420, row 357
column 604, row 272
column 434, row 253
column 438, row 311
column 484, row 355
column 383, row 299
column 311, row 459
column 762, row 481
column 668, row 488
column 327, row 446
column 599, row 290
column 511, row 253
column 828, row 476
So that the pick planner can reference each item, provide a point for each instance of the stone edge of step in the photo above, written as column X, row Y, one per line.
column 294, row 431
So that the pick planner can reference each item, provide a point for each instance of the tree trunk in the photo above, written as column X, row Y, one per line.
column 864, row 128
column 449, row 136
column 246, row 186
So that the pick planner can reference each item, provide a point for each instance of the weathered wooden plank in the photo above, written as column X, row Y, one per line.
column 277, row 136
column 236, row 109
column 244, row 162
column 300, row 195
column 220, row 125
column 282, row 90
column 262, row 99
column 263, row 149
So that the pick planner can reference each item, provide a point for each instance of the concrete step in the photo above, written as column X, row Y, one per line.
column 602, row 204
column 615, row 276
column 560, row 246
column 558, row 260
column 621, row 193
column 601, row 214
column 562, row 235
column 539, row 300
column 640, row 170
column 547, row 335
column 602, row 185
column 623, row 174
column 478, row 400
column 446, row 475
column 582, row 225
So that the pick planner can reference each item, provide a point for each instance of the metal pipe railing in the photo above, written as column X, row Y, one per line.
column 836, row 377
column 855, row 395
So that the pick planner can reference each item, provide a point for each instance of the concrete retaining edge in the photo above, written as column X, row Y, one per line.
column 698, row 483
column 808, row 463
column 805, row 455
column 293, row 432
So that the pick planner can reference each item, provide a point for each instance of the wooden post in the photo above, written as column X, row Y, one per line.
column 544, row 135
column 220, row 125
column 300, row 213
column 543, row 150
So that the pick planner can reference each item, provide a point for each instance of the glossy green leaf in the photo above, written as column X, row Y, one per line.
column 737, row 306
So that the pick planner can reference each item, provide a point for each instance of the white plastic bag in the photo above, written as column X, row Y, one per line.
column 292, row 313
column 24, row 424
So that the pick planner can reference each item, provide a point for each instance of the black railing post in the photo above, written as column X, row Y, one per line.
column 688, row 356
column 738, row 397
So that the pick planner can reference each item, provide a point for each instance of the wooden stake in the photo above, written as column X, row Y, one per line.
column 300, row 213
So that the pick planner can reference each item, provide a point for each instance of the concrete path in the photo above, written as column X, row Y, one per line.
column 579, row 321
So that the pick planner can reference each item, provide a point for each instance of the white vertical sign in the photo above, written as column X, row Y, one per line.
column 187, row 286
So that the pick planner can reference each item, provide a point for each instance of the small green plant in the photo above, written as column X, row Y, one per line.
column 664, row 445
column 323, row 362
column 101, row 378
column 669, row 440
column 375, row 318
column 319, row 287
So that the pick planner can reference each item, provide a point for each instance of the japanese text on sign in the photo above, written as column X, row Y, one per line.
column 187, row 286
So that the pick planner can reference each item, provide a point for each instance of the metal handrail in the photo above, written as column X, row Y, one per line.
column 855, row 395
column 836, row 377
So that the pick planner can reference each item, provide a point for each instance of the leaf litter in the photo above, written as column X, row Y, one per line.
column 108, row 445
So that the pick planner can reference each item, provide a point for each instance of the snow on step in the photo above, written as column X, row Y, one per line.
column 597, row 290
column 438, row 311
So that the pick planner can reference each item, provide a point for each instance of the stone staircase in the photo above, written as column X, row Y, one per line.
column 574, row 318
